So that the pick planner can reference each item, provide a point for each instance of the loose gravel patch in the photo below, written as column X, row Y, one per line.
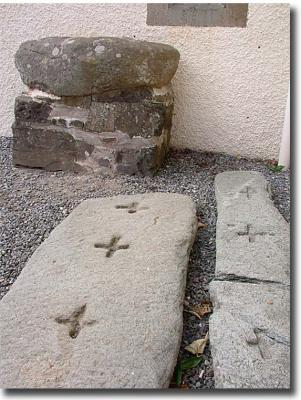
column 34, row 201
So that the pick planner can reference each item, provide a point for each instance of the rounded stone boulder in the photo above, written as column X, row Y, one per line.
column 70, row 66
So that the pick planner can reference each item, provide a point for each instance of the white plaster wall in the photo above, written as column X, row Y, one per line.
column 230, row 94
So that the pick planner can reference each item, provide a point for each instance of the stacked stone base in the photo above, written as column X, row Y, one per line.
column 119, row 131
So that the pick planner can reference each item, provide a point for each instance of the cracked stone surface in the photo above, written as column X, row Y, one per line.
column 250, row 336
column 99, row 304
column 250, row 329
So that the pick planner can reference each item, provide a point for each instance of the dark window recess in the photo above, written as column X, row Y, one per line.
column 205, row 14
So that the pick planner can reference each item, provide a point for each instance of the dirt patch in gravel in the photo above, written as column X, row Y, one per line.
column 33, row 202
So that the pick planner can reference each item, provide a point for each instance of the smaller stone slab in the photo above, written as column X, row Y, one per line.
column 249, row 328
column 99, row 304
column 252, row 236
column 250, row 335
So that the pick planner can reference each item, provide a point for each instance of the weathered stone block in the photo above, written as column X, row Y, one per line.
column 29, row 109
column 68, row 116
column 109, row 104
column 99, row 304
column 49, row 146
column 78, row 66
column 56, row 147
column 138, row 113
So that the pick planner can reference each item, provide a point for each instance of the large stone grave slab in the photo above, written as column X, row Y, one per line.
column 250, row 328
column 94, row 104
column 99, row 303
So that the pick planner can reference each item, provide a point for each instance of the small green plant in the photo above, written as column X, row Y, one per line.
column 275, row 167
column 185, row 364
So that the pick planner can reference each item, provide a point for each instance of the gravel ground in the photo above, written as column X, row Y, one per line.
column 33, row 202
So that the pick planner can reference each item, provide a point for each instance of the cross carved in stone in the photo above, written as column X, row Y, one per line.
column 74, row 321
column 132, row 207
column 246, row 190
column 252, row 235
column 112, row 247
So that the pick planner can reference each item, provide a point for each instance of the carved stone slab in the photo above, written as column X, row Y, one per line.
column 252, row 236
column 249, row 329
column 99, row 304
column 250, row 335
